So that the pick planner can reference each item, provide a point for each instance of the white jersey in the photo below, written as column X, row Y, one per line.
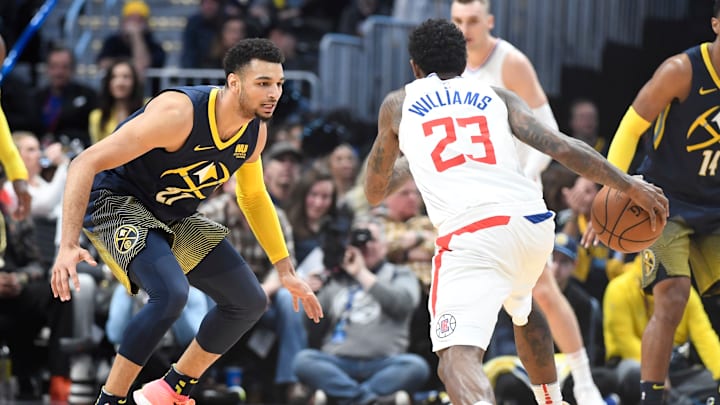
column 461, row 152
column 490, row 72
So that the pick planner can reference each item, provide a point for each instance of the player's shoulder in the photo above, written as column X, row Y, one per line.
column 675, row 67
column 514, row 57
column 393, row 100
column 171, row 102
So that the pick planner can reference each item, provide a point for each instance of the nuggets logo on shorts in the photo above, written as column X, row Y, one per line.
column 648, row 262
column 445, row 325
column 126, row 236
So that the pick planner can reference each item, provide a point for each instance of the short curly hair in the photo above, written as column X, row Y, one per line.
column 716, row 9
column 437, row 46
column 248, row 49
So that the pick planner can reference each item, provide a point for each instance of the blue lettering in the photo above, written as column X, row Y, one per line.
column 456, row 98
column 418, row 109
column 471, row 98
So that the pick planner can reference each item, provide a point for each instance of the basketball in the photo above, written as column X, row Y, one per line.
column 620, row 224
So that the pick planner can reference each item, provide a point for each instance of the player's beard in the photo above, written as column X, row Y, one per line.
column 246, row 111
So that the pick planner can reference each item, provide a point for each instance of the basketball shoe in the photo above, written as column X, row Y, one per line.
column 158, row 392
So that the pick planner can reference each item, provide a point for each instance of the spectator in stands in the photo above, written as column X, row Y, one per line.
column 281, row 168
column 368, row 304
column 358, row 11
column 343, row 165
column 626, row 313
column 64, row 104
column 289, row 131
column 199, row 32
column 26, row 305
column 135, row 40
column 314, row 201
column 584, row 124
column 46, row 195
column 121, row 93
column 280, row 318
column 286, row 36
column 411, row 236
column 232, row 30
column 17, row 103
column 269, row 12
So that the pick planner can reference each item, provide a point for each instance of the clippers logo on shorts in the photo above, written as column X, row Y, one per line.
column 445, row 325
column 648, row 262
column 200, row 180
column 126, row 236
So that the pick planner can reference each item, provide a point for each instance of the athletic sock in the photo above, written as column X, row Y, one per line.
column 179, row 382
column 652, row 392
column 106, row 398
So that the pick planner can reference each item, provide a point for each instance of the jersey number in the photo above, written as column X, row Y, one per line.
column 450, row 136
column 710, row 162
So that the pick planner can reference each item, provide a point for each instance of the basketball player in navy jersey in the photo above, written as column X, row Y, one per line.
column 683, row 152
column 144, row 183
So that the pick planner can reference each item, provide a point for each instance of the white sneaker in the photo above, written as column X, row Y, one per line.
column 588, row 395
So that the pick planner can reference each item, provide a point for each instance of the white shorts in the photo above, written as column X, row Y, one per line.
column 481, row 267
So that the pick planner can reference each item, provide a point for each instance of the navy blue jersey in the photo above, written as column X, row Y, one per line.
column 172, row 184
column 683, row 151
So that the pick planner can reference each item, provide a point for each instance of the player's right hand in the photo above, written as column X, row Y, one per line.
column 64, row 269
column 650, row 198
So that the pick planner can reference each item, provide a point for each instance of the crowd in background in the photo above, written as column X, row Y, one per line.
column 375, row 333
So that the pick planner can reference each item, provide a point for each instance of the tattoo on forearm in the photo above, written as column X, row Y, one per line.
column 571, row 152
column 400, row 174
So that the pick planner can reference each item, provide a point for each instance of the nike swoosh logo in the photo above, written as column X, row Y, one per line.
column 703, row 91
column 199, row 148
column 658, row 387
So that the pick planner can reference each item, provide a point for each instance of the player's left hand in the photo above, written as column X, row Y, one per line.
column 300, row 291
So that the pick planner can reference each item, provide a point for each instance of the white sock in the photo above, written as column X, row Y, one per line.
column 547, row 394
column 580, row 368
column 482, row 403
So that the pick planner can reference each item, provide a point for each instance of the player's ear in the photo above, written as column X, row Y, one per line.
column 491, row 22
column 233, row 81
column 416, row 70
column 715, row 22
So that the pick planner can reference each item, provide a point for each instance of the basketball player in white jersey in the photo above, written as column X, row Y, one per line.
column 498, row 63
column 494, row 231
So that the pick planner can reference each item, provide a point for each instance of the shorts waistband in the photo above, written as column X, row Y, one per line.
column 478, row 213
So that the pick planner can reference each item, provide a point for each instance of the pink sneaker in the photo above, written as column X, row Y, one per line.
column 158, row 392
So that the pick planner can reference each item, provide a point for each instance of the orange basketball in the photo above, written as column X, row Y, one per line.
column 620, row 224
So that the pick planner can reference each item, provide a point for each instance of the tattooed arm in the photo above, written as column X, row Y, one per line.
column 385, row 172
column 579, row 157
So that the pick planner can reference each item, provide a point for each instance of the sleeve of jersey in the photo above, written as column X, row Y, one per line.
column 624, row 143
column 537, row 161
column 9, row 155
column 255, row 203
